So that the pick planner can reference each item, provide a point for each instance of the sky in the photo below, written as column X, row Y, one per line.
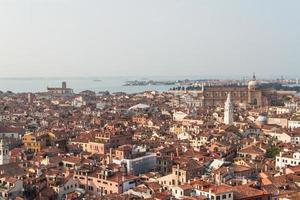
column 81, row 38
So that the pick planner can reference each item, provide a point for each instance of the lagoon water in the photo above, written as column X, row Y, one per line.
column 111, row 84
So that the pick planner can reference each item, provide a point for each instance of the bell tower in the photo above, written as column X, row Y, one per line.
column 4, row 153
column 228, row 111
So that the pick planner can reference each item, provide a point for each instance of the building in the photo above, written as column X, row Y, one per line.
column 215, row 192
column 294, row 123
column 79, row 102
column 179, row 116
column 295, row 136
column 280, row 121
column 4, row 153
column 287, row 159
column 228, row 111
column 136, row 163
column 62, row 185
column 282, row 136
column 107, row 140
column 35, row 142
column 11, row 132
column 253, row 94
column 181, row 174
column 105, row 181
column 10, row 187
column 63, row 91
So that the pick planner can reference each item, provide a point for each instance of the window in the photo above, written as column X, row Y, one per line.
column 224, row 196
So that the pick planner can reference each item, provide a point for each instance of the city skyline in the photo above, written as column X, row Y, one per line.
column 135, row 38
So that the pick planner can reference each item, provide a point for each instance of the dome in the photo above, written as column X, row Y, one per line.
column 252, row 84
column 261, row 119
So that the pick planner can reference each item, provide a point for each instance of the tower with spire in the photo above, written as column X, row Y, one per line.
column 228, row 111
column 4, row 153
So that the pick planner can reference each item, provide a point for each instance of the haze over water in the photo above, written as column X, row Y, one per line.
column 111, row 84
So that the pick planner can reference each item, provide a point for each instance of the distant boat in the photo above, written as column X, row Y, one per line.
column 97, row 80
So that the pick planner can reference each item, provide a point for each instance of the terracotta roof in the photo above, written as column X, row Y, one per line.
column 246, row 191
column 218, row 189
column 186, row 186
column 252, row 150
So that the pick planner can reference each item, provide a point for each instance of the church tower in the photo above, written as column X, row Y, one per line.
column 4, row 153
column 228, row 111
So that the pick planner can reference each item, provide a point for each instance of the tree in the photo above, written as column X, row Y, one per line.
column 272, row 152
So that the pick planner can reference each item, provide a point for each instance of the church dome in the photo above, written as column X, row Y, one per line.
column 262, row 119
column 252, row 84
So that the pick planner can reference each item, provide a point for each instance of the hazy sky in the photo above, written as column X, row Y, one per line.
column 153, row 37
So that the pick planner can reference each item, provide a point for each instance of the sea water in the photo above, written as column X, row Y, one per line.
column 111, row 84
